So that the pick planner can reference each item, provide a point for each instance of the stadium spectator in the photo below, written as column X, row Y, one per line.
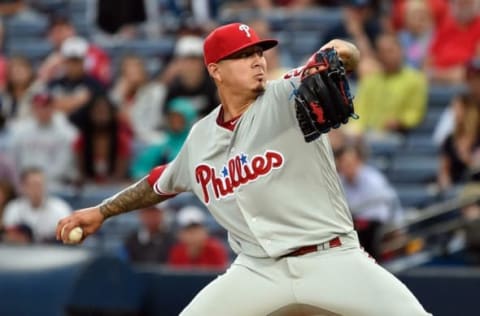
column 133, row 77
column 3, row 64
column 20, row 234
column 96, row 62
column 195, row 248
column 360, row 25
column 7, row 193
column 180, row 117
column 103, row 148
column 45, row 140
column 151, row 243
column 446, row 123
column 12, row 7
column 8, row 171
column 5, row 134
column 371, row 199
column 75, row 89
column 398, row 10
column 394, row 100
column 19, row 9
column 35, row 208
column 456, row 41
column 119, row 20
column 460, row 152
column 147, row 115
column 186, row 76
column 416, row 35
column 20, row 87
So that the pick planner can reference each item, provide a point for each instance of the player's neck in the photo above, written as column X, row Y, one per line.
column 235, row 105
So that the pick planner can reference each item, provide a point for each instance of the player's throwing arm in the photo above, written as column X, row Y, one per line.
column 85, row 222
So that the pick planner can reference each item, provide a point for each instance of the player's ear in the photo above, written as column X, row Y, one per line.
column 214, row 72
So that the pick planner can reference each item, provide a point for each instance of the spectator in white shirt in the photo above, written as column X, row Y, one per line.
column 371, row 199
column 35, row 208
column 45, row 141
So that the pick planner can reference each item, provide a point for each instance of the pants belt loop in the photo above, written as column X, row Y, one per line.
column 324, row 246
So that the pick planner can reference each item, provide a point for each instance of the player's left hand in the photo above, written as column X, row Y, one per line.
column 323, row 100
column 347, row 52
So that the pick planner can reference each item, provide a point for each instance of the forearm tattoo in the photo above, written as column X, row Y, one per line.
column 134, row 197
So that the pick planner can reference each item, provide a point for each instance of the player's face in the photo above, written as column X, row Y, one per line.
column 245, row 69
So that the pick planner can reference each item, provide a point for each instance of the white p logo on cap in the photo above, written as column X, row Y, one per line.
column 245, row 28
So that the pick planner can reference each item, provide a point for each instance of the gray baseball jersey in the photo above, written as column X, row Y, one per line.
column 270, row 189
column 275, row 193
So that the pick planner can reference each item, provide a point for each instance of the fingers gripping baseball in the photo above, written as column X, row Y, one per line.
column 78, row 226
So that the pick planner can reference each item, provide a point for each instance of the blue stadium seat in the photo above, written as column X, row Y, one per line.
column 385, row 147
column 440, row 96
column 160, row 48
column 144, row 48
column 408, row 168
column 430, row 120
column 379, row 162
column 77, row 6
column 32, row 49
column 415, row 196
column 419, row 143
column 304, row 43
column 313, row 20
column 20, row 29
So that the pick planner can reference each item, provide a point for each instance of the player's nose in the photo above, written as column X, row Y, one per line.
column 258, row 60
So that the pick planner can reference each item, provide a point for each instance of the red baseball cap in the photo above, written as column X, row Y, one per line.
column 228, row 39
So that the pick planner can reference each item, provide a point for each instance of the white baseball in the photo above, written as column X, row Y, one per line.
column 75, row 235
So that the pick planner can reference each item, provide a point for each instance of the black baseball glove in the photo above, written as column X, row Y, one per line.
column 323, row 100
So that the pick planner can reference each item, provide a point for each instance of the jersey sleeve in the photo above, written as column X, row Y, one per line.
column 174, row 177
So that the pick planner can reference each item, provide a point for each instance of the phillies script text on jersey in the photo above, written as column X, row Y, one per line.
column 238, row 171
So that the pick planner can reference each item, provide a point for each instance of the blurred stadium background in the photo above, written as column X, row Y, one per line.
column 94, row 93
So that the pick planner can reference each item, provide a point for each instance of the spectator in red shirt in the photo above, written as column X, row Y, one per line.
column 456, row 41
column 438, row 8
column 195, row 247
column 103, row 148
column 97, row 61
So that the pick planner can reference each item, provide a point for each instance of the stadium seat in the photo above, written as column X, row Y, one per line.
column 385, row 147
column 19, row 29
column 313, row 20
column 413, row 169
column 440, row 96
column 415, row 196
column 33, row 49
column 430, row 120
column 419, row 143
column 144, row 48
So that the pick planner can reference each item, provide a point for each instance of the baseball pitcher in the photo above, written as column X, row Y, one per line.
column 262, row 164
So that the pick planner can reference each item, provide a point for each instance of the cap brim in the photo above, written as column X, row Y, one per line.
column 264, row 44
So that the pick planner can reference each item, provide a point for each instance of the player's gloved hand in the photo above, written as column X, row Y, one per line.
column 323, row 100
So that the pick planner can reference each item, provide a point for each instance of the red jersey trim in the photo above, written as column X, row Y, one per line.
column 153, row 177
column 230, row 124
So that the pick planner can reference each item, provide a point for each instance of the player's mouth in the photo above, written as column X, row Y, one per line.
column 260, row 76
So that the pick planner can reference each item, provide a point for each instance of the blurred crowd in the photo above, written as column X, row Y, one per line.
column 84, row 117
